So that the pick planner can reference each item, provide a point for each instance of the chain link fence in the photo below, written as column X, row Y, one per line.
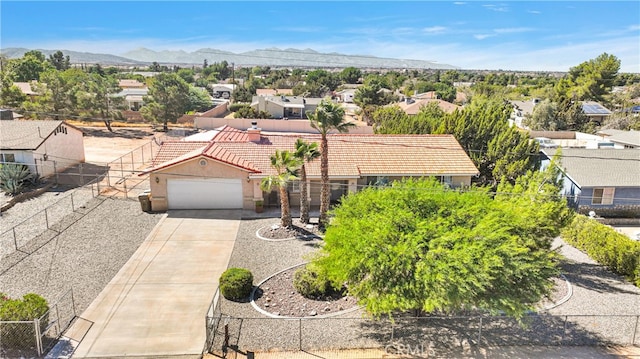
column 26, row 339
column 434, row 336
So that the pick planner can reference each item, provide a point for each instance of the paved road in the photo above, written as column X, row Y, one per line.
column 156, row 304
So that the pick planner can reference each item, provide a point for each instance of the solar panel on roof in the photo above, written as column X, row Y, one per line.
column 594, row 109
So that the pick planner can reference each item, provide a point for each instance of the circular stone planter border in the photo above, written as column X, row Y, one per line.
column 256, row 307
column 304, row 237
column 565, row 298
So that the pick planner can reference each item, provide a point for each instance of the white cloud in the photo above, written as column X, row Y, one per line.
column 536, row 12
column 633, row 27
column 303, row 29
column 434, row 29
column 459, row 3
column 482, row 36
column 512, row 30
column 494, row 7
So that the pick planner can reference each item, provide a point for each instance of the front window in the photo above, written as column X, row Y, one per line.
column 7, row 157
column 295, row 186
column 603, row 195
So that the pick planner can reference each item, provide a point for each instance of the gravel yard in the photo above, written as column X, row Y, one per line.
column 85, row 256
column 595, row 291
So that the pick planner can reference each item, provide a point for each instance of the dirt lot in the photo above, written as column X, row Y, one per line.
column 102, row 146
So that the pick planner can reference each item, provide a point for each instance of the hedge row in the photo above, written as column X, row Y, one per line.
column 22, row 335
column 606, row 246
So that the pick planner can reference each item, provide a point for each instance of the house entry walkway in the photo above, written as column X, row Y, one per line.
column 155, row 305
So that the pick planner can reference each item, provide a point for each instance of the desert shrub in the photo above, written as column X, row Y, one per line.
column 313, row 283
column 30, row 307
column 236, row 283
column 603, row 244
column 14, row 177
column 236, row 106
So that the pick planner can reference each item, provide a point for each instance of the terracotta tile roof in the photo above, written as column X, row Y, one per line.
column 349, row 155
column 173, row 149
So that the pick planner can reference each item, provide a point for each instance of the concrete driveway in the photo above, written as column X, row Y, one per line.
column 156, row 304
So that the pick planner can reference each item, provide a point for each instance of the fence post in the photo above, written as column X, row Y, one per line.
column 133, row 166
column 36, row 324
column 109, row 174
column 142, row 153
column 124, row 183
column 55, row 170
column 564, row 330
column 73, row 208
column 300, row 333
column 58, row 320
column 480, row 332
column 121, row 168
column 81, row 175
column 46, row 218
column 635, row 330
column 15, row 240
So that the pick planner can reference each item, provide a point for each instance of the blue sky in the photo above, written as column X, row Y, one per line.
column 509, row 35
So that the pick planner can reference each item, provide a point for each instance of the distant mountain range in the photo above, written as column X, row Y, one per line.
column 260, row 57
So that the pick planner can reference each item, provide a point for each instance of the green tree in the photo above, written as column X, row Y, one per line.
column 54, row 89
column 59, row 61
column 199, row 100
column 167, row 100
column 305, row 152
column 415, row 246
column 29, row 67
column 350, row 75
column 187, row 75
column 545, row 117
column 285, row 163
column 95, row 97
column 591, row 80
column 328, row 116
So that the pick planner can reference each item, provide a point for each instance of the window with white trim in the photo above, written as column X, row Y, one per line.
column 603, row 195
column 7, row 157
column 295, row 186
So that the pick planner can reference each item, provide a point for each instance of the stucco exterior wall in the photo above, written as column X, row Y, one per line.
column 65, row 149
column 193, row 169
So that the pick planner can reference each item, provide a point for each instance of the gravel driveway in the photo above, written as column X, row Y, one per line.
column 85, row 256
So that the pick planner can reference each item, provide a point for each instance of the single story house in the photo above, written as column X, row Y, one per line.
column 346, row 95
column 521, row 110
column 133, row 97
column 285, row 106
column 222, row 90
column 130, row 84
column 622, row 139
column 224, row 168
column 274, row 92
column 595, row 112
column 45, row 146
column 606, row 181
column 412, row 106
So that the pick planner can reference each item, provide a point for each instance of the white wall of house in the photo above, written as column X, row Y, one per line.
column 65, row 147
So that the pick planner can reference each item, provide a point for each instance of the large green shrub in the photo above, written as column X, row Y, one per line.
column 312, row 283
column 30, row 307
column 236, row 283
column 606, row 246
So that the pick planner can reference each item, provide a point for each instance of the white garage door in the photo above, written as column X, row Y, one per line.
column 213, row 193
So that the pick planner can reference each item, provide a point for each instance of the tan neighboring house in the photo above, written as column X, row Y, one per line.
column 131, row 84
column 285, row 106
column 27, row 89
column 412, row 106
column 222, row 169
column 274, row 92
column 46, row 147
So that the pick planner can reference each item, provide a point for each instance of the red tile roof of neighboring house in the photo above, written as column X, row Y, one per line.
column 349, row 155
column 173, row 149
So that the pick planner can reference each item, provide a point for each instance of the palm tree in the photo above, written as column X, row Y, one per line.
column 285, row 164
column 305, row 152
column 328, row 116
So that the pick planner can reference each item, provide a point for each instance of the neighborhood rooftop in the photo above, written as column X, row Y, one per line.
column 601, row 167
column 25, row 135
column 349, row 155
